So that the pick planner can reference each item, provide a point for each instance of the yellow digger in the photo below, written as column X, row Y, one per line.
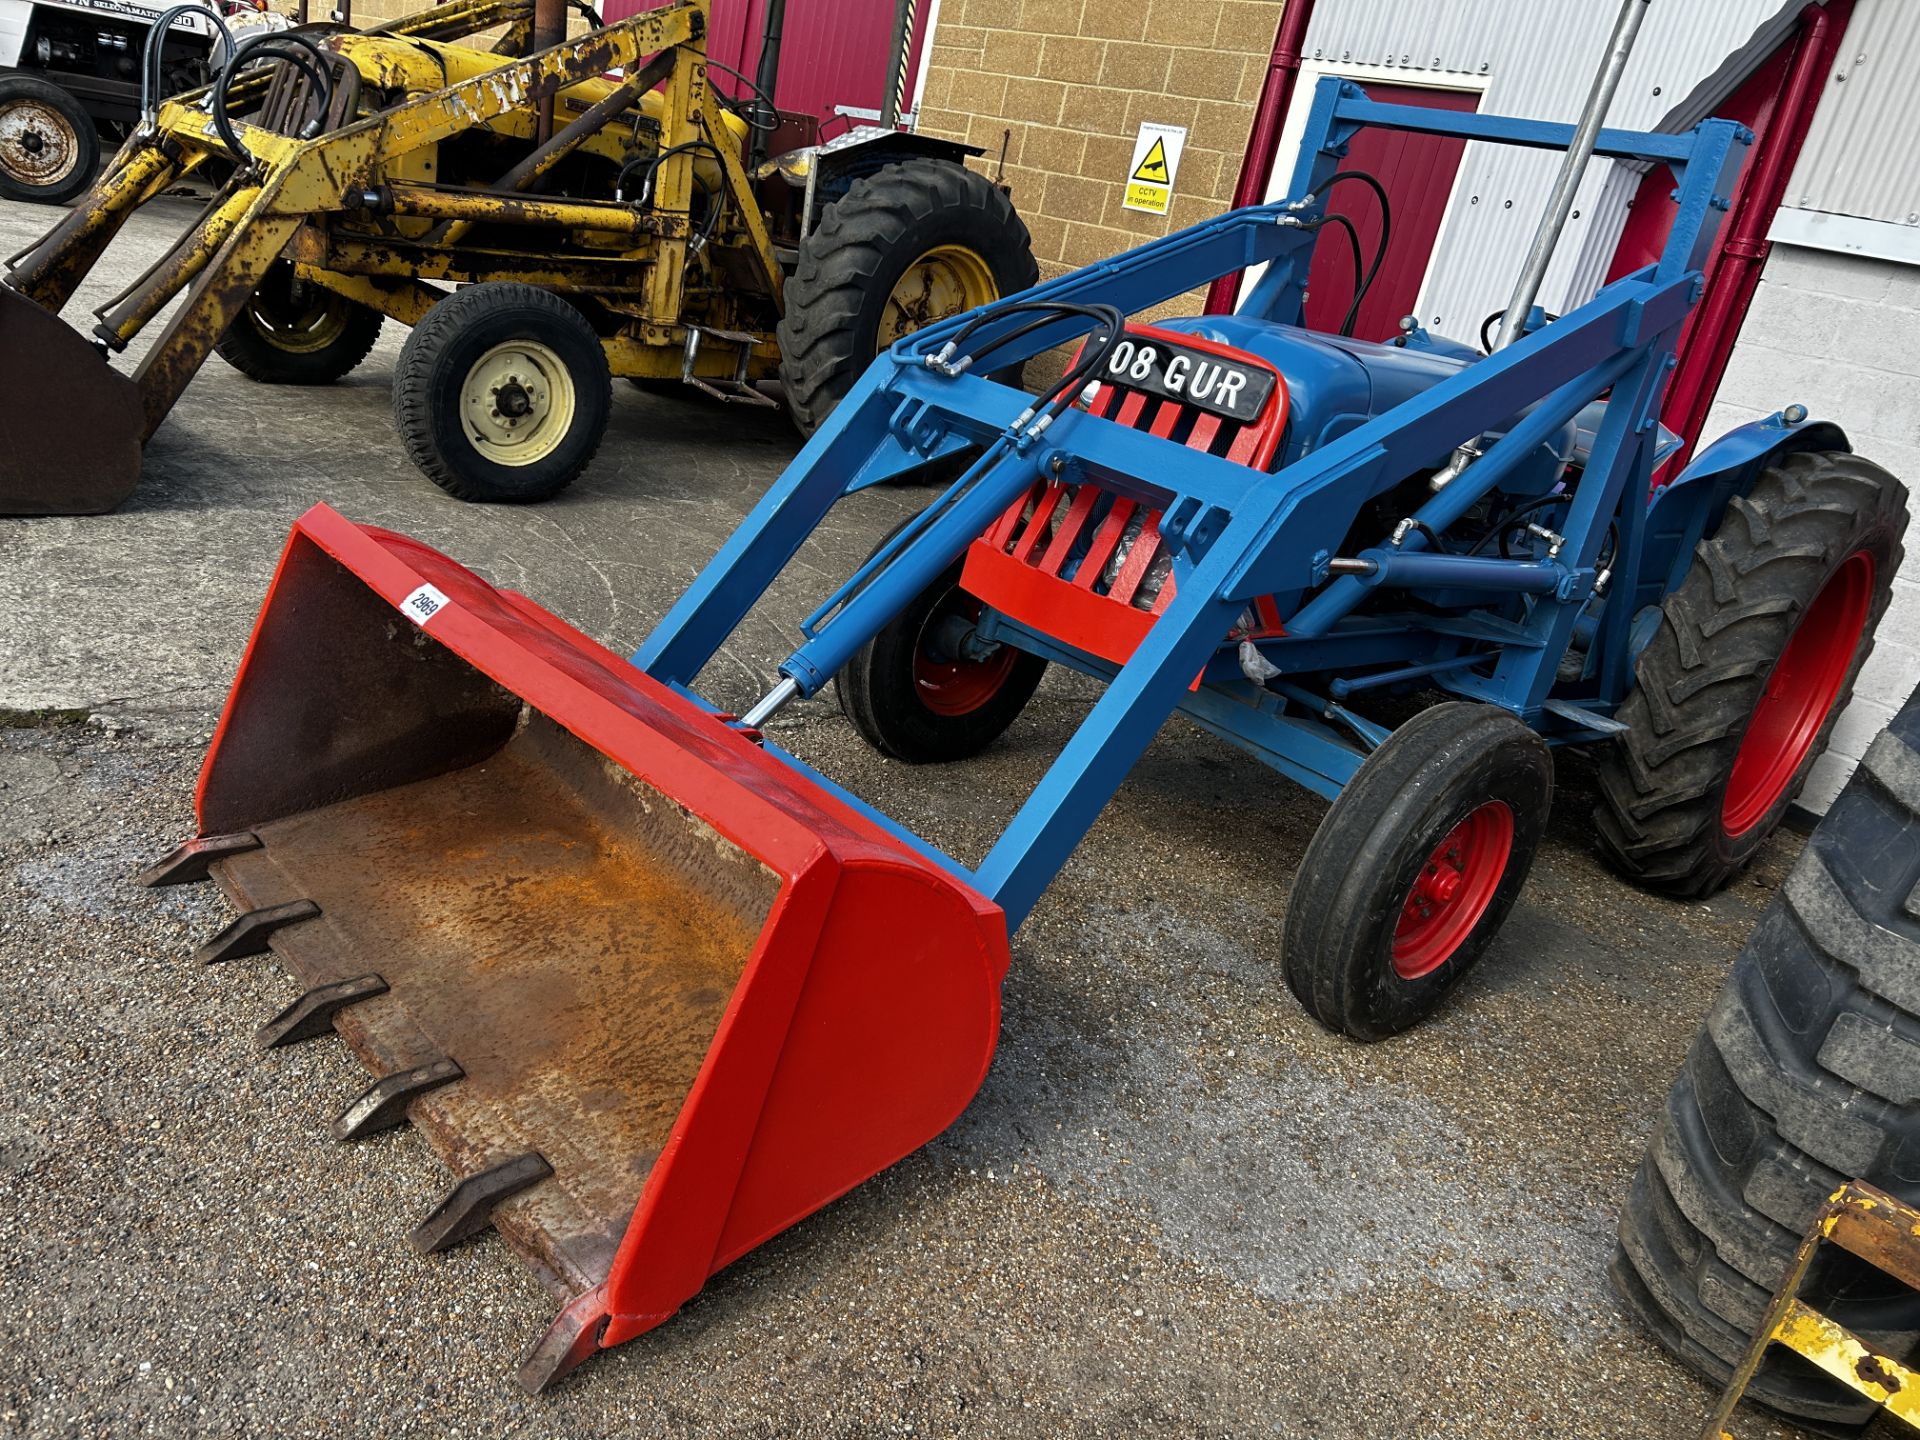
column 546, row 215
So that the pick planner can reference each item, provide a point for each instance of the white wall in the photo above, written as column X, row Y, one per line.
column 1841, row 335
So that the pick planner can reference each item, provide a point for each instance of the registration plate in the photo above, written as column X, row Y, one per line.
column 1190, row 377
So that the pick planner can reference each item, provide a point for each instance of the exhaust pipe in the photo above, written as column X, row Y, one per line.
column 1626, row 27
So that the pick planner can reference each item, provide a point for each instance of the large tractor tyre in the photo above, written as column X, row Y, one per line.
column 1806, row 1074
column 916, row 693
column 49, row 147
column 1753, row 661
column 502, row 394
column 917, row 242
column 1415, row 866
column 293, row 332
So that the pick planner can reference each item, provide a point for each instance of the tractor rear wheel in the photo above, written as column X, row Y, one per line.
column 294, row 332
column 1414, row 868
column 49, row 147
column 1754, row 659
column 922, row 692
column 916, row 243
column 502, row 394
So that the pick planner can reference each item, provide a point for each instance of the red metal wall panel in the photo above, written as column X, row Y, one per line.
column 832, row 52
column 1417, row 171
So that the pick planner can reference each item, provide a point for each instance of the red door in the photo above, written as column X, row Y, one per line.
column 1417, row 172
column 832, row 52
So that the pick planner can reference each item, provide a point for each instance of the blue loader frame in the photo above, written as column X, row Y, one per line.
column 1495, row 629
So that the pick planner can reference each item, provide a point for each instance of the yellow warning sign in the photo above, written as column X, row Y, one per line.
column 1156, row 161
column 1153, row 169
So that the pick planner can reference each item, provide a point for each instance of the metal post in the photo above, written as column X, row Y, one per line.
column 1572, row 168
column 896, row 65
column 549, row 29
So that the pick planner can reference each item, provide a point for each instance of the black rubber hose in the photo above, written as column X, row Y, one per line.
column 1379, row 254
column 154, row 55
column 761, row 100
column 267, row 46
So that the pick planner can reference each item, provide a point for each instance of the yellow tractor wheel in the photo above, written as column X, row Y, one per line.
column 916, row 243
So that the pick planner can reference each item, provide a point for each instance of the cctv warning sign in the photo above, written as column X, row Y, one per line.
column 1156, row 161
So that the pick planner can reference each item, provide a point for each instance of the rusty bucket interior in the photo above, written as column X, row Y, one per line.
column 650, row 994
column 72, row 425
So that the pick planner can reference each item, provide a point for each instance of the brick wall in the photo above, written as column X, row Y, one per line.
column 1066, row 84
column 1841, row 335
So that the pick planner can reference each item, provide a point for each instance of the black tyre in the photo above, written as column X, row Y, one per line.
column 502, row 394
column 1414, row 868
column 1755, row 658
column 49, row 147
column 1806, row 1074
column 293, row 332
column 917, row 242
column 915, row 693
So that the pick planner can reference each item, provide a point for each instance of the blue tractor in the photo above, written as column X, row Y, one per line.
column 1263, row 527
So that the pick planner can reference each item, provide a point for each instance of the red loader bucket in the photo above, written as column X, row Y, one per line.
column 651, row 994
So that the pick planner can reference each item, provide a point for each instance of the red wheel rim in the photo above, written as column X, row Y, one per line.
column 957, row 687
column 1800, row 692
column 1452, row 891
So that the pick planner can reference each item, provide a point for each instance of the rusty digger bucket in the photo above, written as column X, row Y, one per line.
column 72, row 427
column 650, row 995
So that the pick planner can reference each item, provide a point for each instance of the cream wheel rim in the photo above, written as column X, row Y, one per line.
column 517, row 403
column 38, row 145
column 942, row 283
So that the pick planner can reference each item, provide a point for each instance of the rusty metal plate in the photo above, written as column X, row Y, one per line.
column 70, row 424
column 561, row 931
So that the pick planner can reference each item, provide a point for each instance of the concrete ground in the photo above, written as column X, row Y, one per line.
column 1176, row 1206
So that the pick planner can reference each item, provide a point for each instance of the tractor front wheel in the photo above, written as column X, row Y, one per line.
column 914, row 244
column 49, row 147
column 294, row 332
column 923, row 690
column 502, row 394
column 1754, row 659
column 1414, row 868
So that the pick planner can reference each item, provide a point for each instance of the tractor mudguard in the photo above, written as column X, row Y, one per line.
column 1690, row 506
column 49, row 369
column 650, row 995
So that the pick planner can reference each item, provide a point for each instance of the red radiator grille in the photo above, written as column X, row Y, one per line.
column 1089, row 567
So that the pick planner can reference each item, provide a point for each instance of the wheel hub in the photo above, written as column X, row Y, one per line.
column 940, row 284
column 37, row 145
column 518, row 401
column 946, row 679
column 1455, row 886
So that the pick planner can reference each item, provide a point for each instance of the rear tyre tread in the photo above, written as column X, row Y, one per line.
column 1663, row 780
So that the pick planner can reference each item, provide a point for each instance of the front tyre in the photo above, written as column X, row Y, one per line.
column 502, row 394
column 916, row 243
column 1414, row 868
column 924, row 690
column 49, row 147
column 1755, row 657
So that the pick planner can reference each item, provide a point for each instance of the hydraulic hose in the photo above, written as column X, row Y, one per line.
column 269, row 46
column 152, row 57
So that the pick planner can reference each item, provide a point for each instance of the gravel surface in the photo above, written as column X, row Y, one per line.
column 1176, row 1205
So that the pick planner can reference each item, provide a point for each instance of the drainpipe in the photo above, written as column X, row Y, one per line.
column 1256, row 166
column 1743, row 254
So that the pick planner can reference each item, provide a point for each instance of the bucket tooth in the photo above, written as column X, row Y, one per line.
column 187, row 863
column 467, row 1208
column 576, row 1333
column 249, row 934
column 312, row 1014
column 383, row 1104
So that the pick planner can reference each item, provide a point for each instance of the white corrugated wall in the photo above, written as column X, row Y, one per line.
column 1536, row 59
